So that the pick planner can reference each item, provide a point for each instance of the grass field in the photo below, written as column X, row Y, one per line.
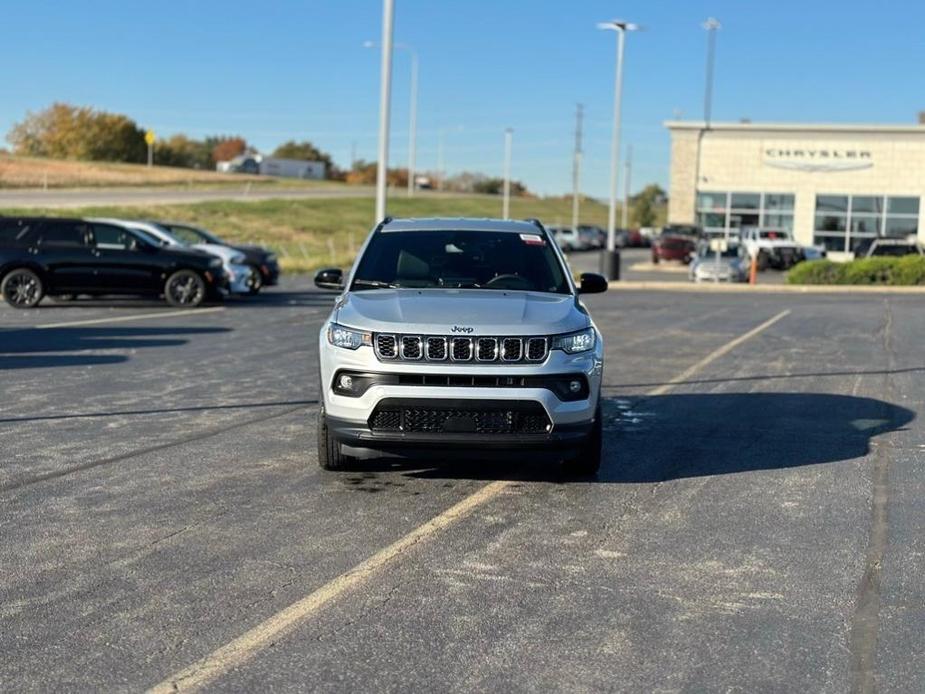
column 28, row 172
column 312, row 233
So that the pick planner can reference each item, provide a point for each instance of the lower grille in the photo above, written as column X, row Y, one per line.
column 424, row 418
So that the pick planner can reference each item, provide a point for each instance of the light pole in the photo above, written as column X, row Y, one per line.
column 711, row 25
column 385, row 96
column 627, row 172
column 506, row 205
column 413, row 110
column 621, row 27
column 576, row 168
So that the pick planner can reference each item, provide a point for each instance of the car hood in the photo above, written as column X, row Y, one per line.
column 779, row 243
column 227, row 254
column 439, row 311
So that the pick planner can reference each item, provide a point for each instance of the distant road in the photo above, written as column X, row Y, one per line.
column 85, row 197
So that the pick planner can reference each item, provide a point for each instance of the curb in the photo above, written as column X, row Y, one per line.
column 717, row 288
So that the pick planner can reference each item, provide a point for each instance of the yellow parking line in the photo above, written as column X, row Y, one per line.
column 242, row 648
column 137, row 316
column 716, row 354
column 246, row 646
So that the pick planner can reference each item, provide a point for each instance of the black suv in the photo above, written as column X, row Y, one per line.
column 65, row 257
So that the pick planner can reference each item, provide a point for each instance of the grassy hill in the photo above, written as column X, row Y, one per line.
column 312, row 233
column 31, row 172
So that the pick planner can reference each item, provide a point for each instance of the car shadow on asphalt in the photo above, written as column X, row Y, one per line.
column 29, row 348
column 650, row 439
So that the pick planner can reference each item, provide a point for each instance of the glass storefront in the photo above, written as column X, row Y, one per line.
column 851, row 222
column 717, row 212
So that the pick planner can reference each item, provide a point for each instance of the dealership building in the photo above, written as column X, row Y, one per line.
column 834, row 185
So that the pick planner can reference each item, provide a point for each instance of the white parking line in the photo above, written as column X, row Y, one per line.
column 137, row 316
column 243, row 648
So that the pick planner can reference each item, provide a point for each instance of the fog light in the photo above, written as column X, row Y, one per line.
column 574, row 386
column 346, row 382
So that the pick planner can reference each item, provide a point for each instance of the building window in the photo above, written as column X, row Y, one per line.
column 717, row 212
column 850, row 222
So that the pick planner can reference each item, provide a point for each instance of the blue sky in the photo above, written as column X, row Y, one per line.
column 276, row 70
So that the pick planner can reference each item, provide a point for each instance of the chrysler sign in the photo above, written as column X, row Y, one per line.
column 816, row 158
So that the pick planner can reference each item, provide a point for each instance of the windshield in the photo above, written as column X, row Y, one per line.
column 146, row 237
column 774, row 235
column 461, row 259
column 192, row 235
column 730, row 252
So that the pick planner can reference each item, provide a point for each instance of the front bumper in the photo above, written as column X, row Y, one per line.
column 569, row 419
column 238, row 278
column 269, row 273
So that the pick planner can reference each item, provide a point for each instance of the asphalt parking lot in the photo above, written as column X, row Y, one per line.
column 756, row 526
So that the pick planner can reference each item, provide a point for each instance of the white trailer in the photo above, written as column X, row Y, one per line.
column 291, row 168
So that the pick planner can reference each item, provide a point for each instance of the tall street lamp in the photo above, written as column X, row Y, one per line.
column 413, row 110
column 711, row 25
column 621, row 28
column 385, row 97
column 506, row 203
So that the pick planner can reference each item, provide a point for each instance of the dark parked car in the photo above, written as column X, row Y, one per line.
column 669, row 247
column 262, row 260
column 66, row 257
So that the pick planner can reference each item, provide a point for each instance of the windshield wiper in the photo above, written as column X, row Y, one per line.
column 377, row 284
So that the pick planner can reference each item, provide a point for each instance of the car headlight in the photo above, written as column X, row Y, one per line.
column 237, row 258
column 575, row 342
column 339, row 336
column 215, row 262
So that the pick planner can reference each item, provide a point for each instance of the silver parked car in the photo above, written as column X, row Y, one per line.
column 460, row 336
column 728, row 264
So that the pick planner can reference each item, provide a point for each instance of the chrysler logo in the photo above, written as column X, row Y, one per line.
column 821, row 159
column 461, row 329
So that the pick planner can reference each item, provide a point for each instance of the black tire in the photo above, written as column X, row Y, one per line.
column 185, row 289
column 330, row 456
column 655, row 258
column 588, row 460
column 22, row 288
column 254, row 281
column 763, row 261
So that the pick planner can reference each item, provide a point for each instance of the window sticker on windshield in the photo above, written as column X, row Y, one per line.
column 533, row 239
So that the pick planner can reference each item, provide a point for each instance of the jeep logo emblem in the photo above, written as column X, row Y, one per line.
column 462, row 329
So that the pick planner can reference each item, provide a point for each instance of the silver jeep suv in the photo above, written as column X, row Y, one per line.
column 460, row 337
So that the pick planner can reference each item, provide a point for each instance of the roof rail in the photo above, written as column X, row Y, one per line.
column 385, row 220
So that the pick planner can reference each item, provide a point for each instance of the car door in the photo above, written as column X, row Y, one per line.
column 63, row 250
column 123, row 264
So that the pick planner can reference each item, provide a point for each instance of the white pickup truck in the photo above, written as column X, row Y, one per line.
column 776, row 248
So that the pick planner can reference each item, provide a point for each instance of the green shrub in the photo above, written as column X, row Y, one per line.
column 905, row 270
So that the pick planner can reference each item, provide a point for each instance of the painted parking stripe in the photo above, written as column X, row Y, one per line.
column 137, row 316
column 240, row 650
column 716, row 354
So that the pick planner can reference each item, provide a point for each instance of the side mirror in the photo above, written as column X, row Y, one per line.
column 592, row 283
column 330, row 278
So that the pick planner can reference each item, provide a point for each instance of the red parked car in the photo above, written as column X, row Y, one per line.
column 669, row 247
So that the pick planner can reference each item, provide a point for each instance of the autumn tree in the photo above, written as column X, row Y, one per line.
column 180, row 150
column 63, row 131
column 645, row 205
column 227, row 148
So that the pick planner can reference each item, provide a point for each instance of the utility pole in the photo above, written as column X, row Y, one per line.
column 576, row 167
column 385, row 96
column 628, row 166
column 506, row 206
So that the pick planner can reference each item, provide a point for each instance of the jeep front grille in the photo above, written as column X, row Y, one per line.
column 442, row 417
column 453, row 348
